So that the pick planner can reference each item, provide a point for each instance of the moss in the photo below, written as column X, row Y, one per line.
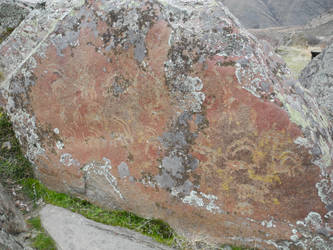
column 13, row 164
column 2, row 77
column 5, row 34
column 42, row 241
column 236, row 247
column 226, row 63
column 297, row 117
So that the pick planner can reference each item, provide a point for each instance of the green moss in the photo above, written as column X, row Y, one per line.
column 42, row 241
column 226, row 63
column 236, row 247
column 297, row 117
column 2, row 77
column 241, row 248
column 35, row 223
column 13, row 164
column 5, row 34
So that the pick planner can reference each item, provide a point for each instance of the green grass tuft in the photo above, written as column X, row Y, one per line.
column 157, row 229
column 42, row 241
column 35, row 223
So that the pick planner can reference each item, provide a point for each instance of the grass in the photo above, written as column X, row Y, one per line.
column 296, row 58
column 42, row 241
column 13, row 165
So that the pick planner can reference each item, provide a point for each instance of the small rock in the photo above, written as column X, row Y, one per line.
column 6, row 145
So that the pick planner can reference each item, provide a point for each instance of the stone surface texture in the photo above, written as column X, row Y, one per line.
column 73, row 231
column 11, row 222
column 172, row 110
column 317, row 77
column 11, row 15
column 9, row 242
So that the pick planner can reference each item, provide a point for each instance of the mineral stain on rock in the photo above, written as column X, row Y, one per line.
column 123, row 170
column 119, row 86
column 174, row 103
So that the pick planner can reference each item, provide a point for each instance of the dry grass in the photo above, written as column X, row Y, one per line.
column 296, row 58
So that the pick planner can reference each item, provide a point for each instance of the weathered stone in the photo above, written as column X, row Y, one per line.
column 8, row 242
column 11, row 15
column 11, row 222
column 170, row 109
column 317, row 77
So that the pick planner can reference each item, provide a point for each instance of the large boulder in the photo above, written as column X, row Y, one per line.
column 317, row 77
column 172, row 110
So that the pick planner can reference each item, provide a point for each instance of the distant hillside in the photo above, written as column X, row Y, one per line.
column 270, row 13
column 321, row 25
column 318, row 31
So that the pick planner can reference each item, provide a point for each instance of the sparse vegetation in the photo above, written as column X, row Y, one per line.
column 42, row 241
column 13, row 165
column 5, row 34
column 296, row 58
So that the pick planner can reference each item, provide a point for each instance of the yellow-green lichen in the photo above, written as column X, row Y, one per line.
column 2, row 76
column 297, row 117
column 5, row 34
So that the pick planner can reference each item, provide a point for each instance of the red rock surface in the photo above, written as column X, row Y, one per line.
column 170, row 109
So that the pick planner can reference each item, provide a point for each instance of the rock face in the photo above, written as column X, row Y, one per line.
column 172, row 110
column 10, row 17
column 317, row 77
column 11, row 222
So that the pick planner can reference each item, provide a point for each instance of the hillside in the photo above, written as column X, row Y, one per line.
column 317, row 32
column 270, row 13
